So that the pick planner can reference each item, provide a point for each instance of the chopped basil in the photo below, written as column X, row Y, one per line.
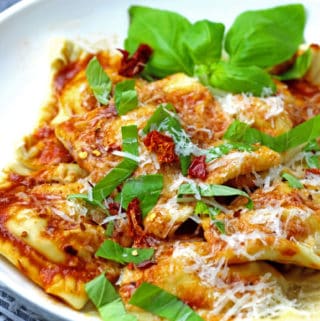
column 104, row 296
column 147, row 188
column 299, row 68
column 153, row 299
column 163, row 31
column 99, row 81
column 212, row 190
column 240, row 79
column 311, row 158
column 89, row 200
column 165, row 119
column 301, row 134
column 203, row 208
column 226, row 148
column 111, row 250
column 123, row 170
column 312, row 161
column 267, row 37
column 109, row 229
column 292, row 181
column 125, row 96
column 204, row 41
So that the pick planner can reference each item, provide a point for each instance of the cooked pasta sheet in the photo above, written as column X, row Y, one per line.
column 233, row 223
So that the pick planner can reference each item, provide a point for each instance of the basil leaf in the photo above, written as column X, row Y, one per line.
column 126, row 97
column 240, row 79
column 104, row 296
column 312, row 146
column 292, row 181
column 99, row 81
column 109, row 229
column 111, row 250
column 299, row 68
column 153, row 299
column 203, row 208
column 312, row 161
column 204, row 41
column 266, row 38
column 87, row 199
column 123, row 170
column 165, row 119
column 220, row 226
column 224, row 149
column 163, row 31
column 211, row 190
column 147, row 188
column 301, row 134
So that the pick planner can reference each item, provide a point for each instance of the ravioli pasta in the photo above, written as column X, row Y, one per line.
column 262, row 262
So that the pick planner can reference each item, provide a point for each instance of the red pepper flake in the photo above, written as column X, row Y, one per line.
column 134, row 65
column 315, row 171
column 162, row 145
column 113, row 208
column 198, row 168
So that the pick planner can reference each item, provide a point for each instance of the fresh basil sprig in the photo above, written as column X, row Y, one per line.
column 108, row 302
column 165, row 119
column 123, row 170
column 292, row 181
column 163, row 31
column 301, row 134
column 257, row 40
column 125, row 96
column 203, row 208
column 299, row 68
column 99, row 81
column 147, row 188
column 212, row 190
column 153, row 299
column 113, row 251
column 240, row 79
column 265, row 38
column 204, row 41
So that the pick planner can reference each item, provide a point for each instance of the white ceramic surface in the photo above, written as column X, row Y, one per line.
column 25, row 33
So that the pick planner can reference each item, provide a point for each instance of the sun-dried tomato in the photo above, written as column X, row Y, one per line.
column 134, row 65
column 198, row 168
column 140, row 236
column 315, row 171
column 113, row 208
column 162, row 145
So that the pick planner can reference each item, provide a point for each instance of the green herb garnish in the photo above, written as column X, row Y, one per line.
column 165, row 119
column 153, row 299
column 203, row 208
column 300, row 67
column 99, row 81
column 111, row 250
column 212, row 190
column 265, row 38
column 292, row 181
column 123, row 170
column 257, row 40
column 147, row 188
column 108, row 302
column 125, row 96
column 301, row 134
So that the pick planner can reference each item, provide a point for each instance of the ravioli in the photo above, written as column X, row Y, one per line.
column 216, row 254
